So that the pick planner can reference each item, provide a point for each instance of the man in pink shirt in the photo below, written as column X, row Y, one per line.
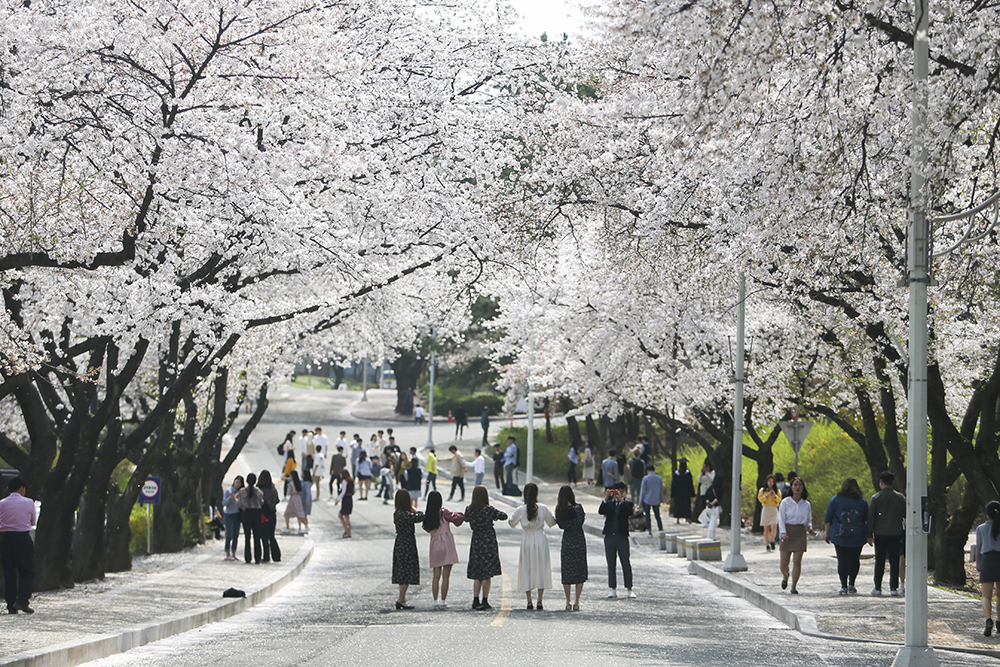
column 17, row 552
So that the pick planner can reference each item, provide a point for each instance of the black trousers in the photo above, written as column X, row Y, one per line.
column 270, row 545
column 617, row 546
column 571, row 474
column 498, row 475
column 848, row 564
column 251, row 534
column 887, row 546
column 17, row 556
column 457, row 482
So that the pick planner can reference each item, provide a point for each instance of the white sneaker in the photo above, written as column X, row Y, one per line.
column 443, row 606
column 632, row 595
column 613, row 595
column 878, row 591
column 894, row 593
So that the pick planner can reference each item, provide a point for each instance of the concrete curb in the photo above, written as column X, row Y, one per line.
column 77, row 652
column 795, row 617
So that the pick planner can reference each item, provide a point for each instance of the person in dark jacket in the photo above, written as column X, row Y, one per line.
column 616, row 511
column 885, row 531
column 681, row 492
column 847, row 528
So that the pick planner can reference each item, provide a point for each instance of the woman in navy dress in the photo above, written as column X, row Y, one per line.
column 573, row 556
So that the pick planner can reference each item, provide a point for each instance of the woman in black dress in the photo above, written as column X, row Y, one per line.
column 573, row 557
column 269, row 518
column 346, row 498
column 405, row 563
column 484, row 554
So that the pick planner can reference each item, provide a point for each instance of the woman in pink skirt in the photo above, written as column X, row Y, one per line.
column 443, row 553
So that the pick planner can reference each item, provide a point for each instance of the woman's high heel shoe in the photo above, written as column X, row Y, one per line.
column 401, row 605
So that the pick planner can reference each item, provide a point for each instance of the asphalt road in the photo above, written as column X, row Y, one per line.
column 339, row 611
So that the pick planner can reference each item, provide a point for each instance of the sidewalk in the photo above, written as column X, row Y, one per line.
column 164, row 595
column 955, row 622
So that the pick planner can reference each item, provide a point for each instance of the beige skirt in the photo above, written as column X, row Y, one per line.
column 768, row 515
column 795, row 538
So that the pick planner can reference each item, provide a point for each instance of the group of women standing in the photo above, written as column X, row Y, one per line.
column 253, row 503
column 534, row 563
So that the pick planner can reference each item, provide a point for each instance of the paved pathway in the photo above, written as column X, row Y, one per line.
column 172, row 593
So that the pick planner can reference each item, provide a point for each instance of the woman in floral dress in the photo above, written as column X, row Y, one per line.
column 405, row 562
column 484, row 554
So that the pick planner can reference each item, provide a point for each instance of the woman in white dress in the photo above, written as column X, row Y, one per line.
column 588, row 465
column 534, row 567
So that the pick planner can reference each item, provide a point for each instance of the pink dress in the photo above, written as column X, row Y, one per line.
column 443, row 550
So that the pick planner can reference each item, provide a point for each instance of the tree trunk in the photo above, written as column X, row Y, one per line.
column 574, row 429
column 593, row 436
column 408, row 368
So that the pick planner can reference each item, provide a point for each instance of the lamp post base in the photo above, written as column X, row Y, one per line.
column 915, row 656
column 735, row 563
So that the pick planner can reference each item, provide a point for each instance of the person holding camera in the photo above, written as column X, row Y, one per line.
column 616, row 511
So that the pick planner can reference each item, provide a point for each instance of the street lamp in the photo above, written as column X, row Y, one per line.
column 430, row 400
column 735, row 562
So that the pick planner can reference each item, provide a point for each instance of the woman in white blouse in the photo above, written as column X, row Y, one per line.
column 534, row 567
column 794, row 521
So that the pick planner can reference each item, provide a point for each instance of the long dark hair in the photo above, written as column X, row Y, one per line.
column 432, row 511
column 773, row 487
column 851, row 489
column 480, row 499
column 565, row 506
column 993, row 514
column 531, row 500
column 295, row 480
column 805, row 491
column 403, row 502
column 265, row 479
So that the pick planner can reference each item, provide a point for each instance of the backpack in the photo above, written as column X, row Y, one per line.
column 281, row 449
column 517, row 456
column 850, row 524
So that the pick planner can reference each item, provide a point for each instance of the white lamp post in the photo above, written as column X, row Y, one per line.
column 735, row 562
column 430, row 399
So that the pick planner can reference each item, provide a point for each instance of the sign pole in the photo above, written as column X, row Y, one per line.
column 148, row 532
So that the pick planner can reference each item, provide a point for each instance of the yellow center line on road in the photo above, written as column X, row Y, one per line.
column 504, row 604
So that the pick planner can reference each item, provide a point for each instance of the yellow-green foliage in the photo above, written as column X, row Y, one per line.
column 827, row 457
column 137, row 523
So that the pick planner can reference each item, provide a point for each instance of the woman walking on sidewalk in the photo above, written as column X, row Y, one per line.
column 484, row 554
column 442, row 553
column 294, row 506
column 794, row 520
column 231, row 515
column 249, row 499
column 988, row 561
column 347, row 496
column 769, row 497
column 847, row 527
column 534, row 566
column 269, row 518
column 573, row 555
column 405, row 562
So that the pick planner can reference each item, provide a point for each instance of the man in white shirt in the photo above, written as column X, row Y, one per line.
column 479, row 467
column 340, row 442
column 320, row 440
column 381, row 440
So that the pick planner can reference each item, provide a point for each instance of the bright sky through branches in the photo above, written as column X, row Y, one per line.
column 550, row 16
